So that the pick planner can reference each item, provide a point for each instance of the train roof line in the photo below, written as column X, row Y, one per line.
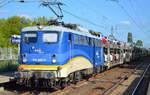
column 78, row 30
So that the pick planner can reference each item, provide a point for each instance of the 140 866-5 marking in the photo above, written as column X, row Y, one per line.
column 39, row 60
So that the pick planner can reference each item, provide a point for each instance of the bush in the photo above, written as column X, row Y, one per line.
column 8, row 66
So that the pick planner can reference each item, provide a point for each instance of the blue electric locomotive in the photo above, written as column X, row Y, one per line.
column 57, row 55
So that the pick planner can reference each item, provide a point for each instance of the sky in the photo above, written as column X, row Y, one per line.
column 125, row 16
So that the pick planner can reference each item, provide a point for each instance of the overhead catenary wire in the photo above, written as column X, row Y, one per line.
column 83, row 19
column 104, row 18
column 78, row 17
column 5, row 2
column 134, row 10
column 92, row 9
column 122, row 7
column 140, row 8
column 129, row 16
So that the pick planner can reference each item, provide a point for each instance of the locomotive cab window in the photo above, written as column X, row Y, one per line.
column 30, row 37
column 49, row 37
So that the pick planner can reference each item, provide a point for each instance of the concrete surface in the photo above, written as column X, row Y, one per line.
column 6, row 77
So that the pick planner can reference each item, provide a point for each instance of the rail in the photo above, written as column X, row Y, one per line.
column 109, row 90
column 140, row 81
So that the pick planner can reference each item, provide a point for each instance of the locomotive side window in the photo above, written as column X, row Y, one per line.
column 96, row 42
column 70, row 38
column 99, row 43
column 91, row 42
column 86, row 40
column 76, row 39
column 30, row 38
column 81, row 40
column 50, row 37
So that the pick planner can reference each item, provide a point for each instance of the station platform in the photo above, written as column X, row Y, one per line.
column 6, row 77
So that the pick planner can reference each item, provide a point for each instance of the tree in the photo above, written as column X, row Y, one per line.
column 130, row 39
column 9, row 27
column 139, row 43
column 41, row 20
column 13, row 25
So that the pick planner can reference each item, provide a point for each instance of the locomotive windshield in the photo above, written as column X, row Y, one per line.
column 30, row 38
column 50, row 37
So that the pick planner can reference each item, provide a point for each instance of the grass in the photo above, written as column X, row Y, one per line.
column 8, row 66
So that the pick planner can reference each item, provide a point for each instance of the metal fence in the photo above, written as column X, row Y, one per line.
column 8, row 54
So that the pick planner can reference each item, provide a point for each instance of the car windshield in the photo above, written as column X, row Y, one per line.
column 30, row 38
column 50, row 37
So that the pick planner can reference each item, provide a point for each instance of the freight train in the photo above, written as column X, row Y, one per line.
column 56, row 55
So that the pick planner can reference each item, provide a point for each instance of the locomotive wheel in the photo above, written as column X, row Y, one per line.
column 58, row 85
column 78, row 76
column 71, row 78
column 65, row 82
column 98, row 69
column 94, row 72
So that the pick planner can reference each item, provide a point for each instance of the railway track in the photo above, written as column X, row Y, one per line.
column 101, row 84
column 109, row 90
column 141, row 87
column 137, row 83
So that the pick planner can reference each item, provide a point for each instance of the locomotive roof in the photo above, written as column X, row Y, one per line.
column 82, row 31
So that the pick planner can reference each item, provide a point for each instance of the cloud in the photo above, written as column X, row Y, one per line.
column 25, row 15
column 144, row 23
column 125, row 22
column 4, row 11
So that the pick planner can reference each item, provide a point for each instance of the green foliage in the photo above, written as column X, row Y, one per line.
column 130, row 39
column 8, row 66
column 139, row 43
column 42, row 20
column 10, row 27
column 13, row 25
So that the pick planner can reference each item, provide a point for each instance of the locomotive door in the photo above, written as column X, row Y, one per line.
column 92, row 50
column 70, row 46
column 97, row 53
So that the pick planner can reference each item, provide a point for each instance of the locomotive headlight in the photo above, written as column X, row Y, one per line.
column 24, row 60
column 54, row 61
column 54, row 58
column 40, row 27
